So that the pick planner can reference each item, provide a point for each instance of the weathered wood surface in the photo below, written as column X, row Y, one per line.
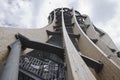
column 110, row 70
column 7, row 36
column 76, row 67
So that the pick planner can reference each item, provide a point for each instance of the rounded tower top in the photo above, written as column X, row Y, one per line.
column 57, row 12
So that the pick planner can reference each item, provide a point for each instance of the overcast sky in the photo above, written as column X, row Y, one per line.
column 105, row 14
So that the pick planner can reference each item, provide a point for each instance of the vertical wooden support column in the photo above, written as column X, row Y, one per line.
column 11, row 68
column 76, row 67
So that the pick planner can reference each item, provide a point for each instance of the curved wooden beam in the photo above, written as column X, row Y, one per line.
column 90, row 49
column 76, row 67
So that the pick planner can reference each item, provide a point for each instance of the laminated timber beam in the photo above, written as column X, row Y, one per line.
column 96, row 65
column 26, row 43
column 76, row 68
column 11, row 68
column 110, row 70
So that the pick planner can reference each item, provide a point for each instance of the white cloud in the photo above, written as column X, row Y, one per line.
column 14, row 11
column 33, row 13
column 103, row 10
column 36, row 7
column 46, row 8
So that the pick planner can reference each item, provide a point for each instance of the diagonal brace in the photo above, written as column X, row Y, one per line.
column 26, row 43
column 96, row 65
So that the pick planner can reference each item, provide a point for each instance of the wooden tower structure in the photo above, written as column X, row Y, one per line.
column 70, row 47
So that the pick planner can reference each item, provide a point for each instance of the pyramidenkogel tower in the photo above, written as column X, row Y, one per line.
column 70, row 47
